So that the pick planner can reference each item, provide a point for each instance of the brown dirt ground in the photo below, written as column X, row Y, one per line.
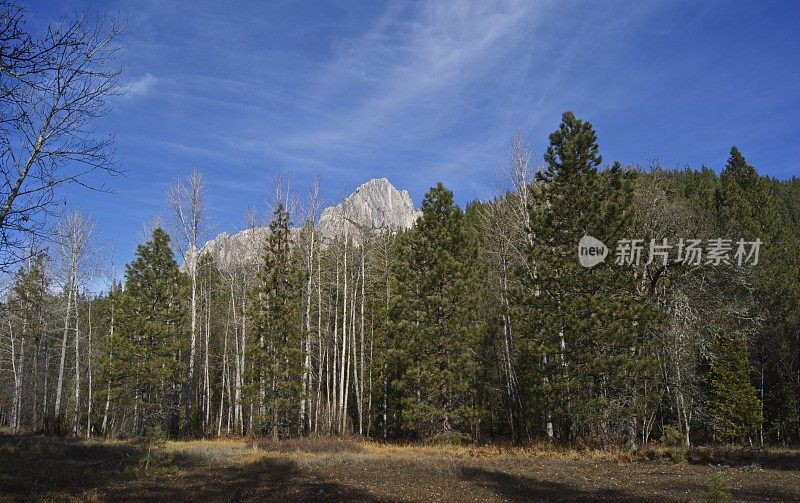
column 46, row 469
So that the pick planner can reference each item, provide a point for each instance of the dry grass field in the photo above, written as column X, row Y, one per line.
column 36, row 468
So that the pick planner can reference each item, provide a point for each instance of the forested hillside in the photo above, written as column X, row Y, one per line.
column 476, row 323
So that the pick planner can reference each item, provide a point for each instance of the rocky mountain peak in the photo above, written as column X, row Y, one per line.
column 374, row 206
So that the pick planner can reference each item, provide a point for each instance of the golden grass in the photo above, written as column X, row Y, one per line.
column 55, row 469
column 242, row 450
column 540, row 451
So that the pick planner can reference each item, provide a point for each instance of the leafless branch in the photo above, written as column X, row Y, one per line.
column 53, row 88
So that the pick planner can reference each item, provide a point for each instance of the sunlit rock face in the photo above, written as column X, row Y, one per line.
column 373, row 207
column 237, row 249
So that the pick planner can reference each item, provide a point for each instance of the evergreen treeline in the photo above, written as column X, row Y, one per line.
column 475, row 324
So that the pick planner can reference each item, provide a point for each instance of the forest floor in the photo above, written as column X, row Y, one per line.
column 37, row 468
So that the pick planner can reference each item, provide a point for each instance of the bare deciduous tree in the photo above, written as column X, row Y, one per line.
column 53, row 88
column 73, row 238
column 186, row 201
column 310, row 245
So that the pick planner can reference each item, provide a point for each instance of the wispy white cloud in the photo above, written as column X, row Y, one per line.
column 412, row 66
column 141, row 86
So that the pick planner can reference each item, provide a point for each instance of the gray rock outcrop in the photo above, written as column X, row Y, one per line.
column 373, row 207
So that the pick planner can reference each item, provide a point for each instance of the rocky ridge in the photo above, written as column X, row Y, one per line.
column 373, row 207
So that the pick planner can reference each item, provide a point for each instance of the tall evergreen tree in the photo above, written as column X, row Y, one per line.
column 434, row 328
column 145, row 368
column 588, row 325
column 276, row 345
column 24, row 317
column 741, row 199
column 735, row 407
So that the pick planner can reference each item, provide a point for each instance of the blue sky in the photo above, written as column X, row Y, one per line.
column 430, row 91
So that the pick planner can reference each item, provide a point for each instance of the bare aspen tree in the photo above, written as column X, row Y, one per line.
column 333, row 415
column 321, row 355
column 21, row 314
column 207, row 395
column 46, row 382
column 238, row 356
column 89, row 370
column 113, row 297
column 520, row 175
column 147, row 227
column 73, row 237
column 223, row 381
column 311, row 249
column 241, row 278
column 186, row 201
column 77, row 383
column 506, row 220
column 385, row 264
column 344, row 353
column 364, row 236
column 18, row 372
column 54, row 86
column 361, row 347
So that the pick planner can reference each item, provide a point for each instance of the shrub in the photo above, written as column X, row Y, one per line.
column 155, row 444
column 673, row 439
column 718, row 490
column 677, row 455
column 311, row 444
column 450, row 438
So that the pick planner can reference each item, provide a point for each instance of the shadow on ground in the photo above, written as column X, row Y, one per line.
column 37, row 468
column 40, row 468
column 743, row 457
column 527, row 489
column 265, row 480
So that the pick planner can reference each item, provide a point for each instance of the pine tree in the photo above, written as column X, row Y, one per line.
column 276, row 333
column 734, row 403
column 433, row 323
column 588, row 326
column 145, row 369
column 24, row 317
column 751, row 209
column 741, row 198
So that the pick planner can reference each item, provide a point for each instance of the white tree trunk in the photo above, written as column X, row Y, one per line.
column 344, row 353
column 108, row 385
column 62, row 363
column 334, row 393
column 361, row 364
column 206, row 376
column 192, row 346
column 76, row 419
column 306, row 346
column 17, row 369
column 319, row 346
column 89, row 373
column 223, row 380
column 241, row 367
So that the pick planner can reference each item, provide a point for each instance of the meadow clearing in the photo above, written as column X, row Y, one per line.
column 37, row 468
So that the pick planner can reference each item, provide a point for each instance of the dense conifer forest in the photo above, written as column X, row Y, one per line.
column 586, row 302
column 545, row 323
column 476, row 324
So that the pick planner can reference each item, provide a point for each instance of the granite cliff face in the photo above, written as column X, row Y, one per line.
column 373, row 207
column 240, row 248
